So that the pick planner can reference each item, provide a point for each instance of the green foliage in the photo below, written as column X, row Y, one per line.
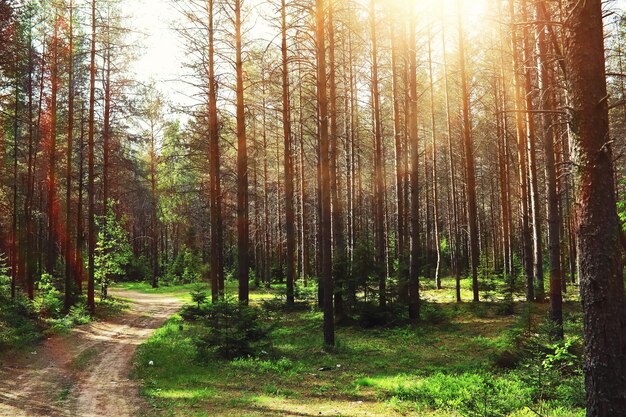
column 281, row 366
column 47, row 302
column 432, row 313
column 469, row 394
column 228, row 329
column 362, row 270
column 199, row 296
column 506, row 306
column 304, row 297
column 306, row 294
column 371, row 315
column 113, row 252
column 621, row 210
column 561, row 356
column 552, row 370
column 18, row 324
column 429, row 370
column 138, row 269
column 187, row 267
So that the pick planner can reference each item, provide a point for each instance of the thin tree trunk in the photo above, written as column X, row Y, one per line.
column 288, row 161
column 51, row 147
column 433, row 128
column 335, row 178
column 521, row 153
column 414, row 296
column 69, row 259
column 548, row 121
column 456, row 238
column 379, row 185
column 91, row 191
column 217, row 240
column 469, row 162
column 325, row 221
column 242, row 170
column 532, row 158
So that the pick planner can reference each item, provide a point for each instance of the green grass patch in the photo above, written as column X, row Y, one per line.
column 446, row 366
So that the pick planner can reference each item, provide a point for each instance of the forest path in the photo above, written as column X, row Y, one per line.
column 85, row 373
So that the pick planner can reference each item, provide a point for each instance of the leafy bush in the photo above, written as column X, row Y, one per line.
column 506, row 307
column 432, row 313
column 138, row 269
column 187, row 267
column 113, row 252
column 18, row 324
column 199, row 296
column 371, row 315
column 228, row 329
column 47, row 302
column 307, row 294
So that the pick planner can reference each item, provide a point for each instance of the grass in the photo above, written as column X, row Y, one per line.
column 182, row 290
column 443, row 368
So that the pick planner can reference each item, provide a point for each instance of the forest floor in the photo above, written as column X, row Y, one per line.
column 460, row 361
column 84, row 372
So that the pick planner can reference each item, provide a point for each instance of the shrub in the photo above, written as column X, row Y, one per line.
column 506, row 307
column 186, row 267
column 137, row 270
column 432, row 313
column 307, row 294
column 199, row 296
column 47, row 302
column 371, row 315
column 113, row 252
column 228, row 329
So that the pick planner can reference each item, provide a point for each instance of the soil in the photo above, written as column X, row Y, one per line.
column 85, row 372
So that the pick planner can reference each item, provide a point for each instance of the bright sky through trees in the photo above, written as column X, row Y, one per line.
column 162, row 54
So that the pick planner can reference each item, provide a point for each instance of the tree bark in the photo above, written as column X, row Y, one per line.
column 554, row 222
column 469, row 163
column 91, row 191
column 242, row 170
column 288, row 163
column 325, row 221
column 69, row 259
column 601, row 280
column 414, row 296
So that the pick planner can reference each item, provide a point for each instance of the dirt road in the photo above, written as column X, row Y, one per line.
column 86, row 372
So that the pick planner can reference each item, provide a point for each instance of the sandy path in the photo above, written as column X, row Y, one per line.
column 84, row 373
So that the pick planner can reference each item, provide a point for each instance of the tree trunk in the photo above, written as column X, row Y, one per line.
column 288, row 162
column 414, row 296
column 456, row 236
column 601, row 280
column 433, row 128
column 548, row 122
column 51, row 148
column 217, row 240
column 521, row 153
column 335, row 178
column 91, row 189
column 69, row 259
column 242, row 170
column 532, row 157
column 325, row 221
column 379, row 185
column 469, row 163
